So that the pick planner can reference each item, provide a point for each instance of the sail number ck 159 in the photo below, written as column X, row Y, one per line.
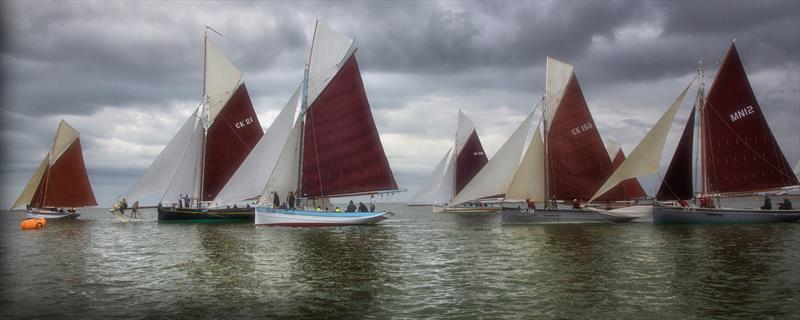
column 244, row 123
column 582, row 128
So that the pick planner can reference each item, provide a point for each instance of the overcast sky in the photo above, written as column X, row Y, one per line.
column 127, row 74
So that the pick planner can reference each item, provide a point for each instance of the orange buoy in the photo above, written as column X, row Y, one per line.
column 32, row 223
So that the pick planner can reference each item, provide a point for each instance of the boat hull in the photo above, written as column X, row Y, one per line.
column 559, row 216
column 680, row 215
column 301, row 218
column 199, row 215
column 51, row 215
column 442, row 209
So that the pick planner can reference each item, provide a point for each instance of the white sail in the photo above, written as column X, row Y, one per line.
column 797, row 169
column 528, row 182
column 427, row 193
column 447, row 188
column 558, row 75
column 495, row 177
column 188, row 173
column 329, row 50
column 221, row 79
column 30, row 189
column 644, row 159
column 157, row 177
column 284, row 175
column 250, row 178
column 464, row 129
column 65, row 136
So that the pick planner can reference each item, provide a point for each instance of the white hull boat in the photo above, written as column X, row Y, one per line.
column 461, row 209
column 560, row 216
column 49, row 214
column 305, row 218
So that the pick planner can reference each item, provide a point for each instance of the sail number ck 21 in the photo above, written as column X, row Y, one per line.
column 244, row 123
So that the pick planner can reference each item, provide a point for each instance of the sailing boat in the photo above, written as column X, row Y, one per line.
column 209, row 147
column 333, row 150
column 426, row 194
column 570, row 163
column 738, row 155
column 466, row 161
column 60, row 181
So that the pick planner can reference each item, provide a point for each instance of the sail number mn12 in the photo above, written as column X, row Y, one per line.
column 244, row 123
column 746, row 111
column 582, row 128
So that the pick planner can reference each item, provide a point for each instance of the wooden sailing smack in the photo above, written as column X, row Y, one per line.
column 738, row 156
column 60, row 181
column 333, row 150
column 569, row 164
column 207, row 150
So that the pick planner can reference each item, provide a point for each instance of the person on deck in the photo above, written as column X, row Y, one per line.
column 338, row 210
column 705, row 202
column 372, row 203
column 786, row 205
column 135, row 209
column 362, row 207
column 276, row 200
column 186, row 201
column 290, row 200
column 531, row 204
column 767, row 203
column 351, row 207
column 576, row 204
column 180, row 200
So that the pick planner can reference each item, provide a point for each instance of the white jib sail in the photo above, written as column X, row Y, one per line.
column 221, row 79
column 250, row 178
column 645, row 157
column 157, row 177
column 447, row 188
column 427, row 193
column 284, row 175
column 528, row 182
column 188, row 173
column 30, row 189
column 558, row 75
column 65, row 136
column 329, row 50
column 495, row 177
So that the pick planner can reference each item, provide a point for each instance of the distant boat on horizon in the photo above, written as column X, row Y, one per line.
column 60, row 181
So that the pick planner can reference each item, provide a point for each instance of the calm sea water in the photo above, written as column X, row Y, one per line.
column 416, row 265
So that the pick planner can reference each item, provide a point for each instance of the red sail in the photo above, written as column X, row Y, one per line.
column 234, row 132
column 342, row 152
column 65, row 183
column 469, row 161
column 677, row 183
column 578, row 162
column 741, row 153
column 630, row 189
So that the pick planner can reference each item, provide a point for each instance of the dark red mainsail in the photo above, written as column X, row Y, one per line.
column 578, row 162
column 677, row 183
column 65, row 182
column 741, row 154
column 469, row 161
column 342, row 152
column 234, row 132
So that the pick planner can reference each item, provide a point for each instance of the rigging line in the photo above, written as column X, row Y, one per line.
column 781, row 171
column 316, row 152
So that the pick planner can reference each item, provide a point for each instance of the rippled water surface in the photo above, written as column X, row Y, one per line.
column 416, row 265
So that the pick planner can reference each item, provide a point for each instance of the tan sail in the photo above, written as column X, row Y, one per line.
column 33, row 184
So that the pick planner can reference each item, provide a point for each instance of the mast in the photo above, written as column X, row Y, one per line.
column 203, row 118
column 303, row 109
column 546, row 158
column 702, row 108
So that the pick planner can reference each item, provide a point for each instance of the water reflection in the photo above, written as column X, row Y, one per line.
column 341, row 269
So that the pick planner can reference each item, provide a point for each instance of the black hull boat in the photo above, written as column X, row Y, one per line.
column 559, row 216
column 689, row 215
column 200, row 215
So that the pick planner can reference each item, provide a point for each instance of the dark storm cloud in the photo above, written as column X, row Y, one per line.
column 128, row 72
